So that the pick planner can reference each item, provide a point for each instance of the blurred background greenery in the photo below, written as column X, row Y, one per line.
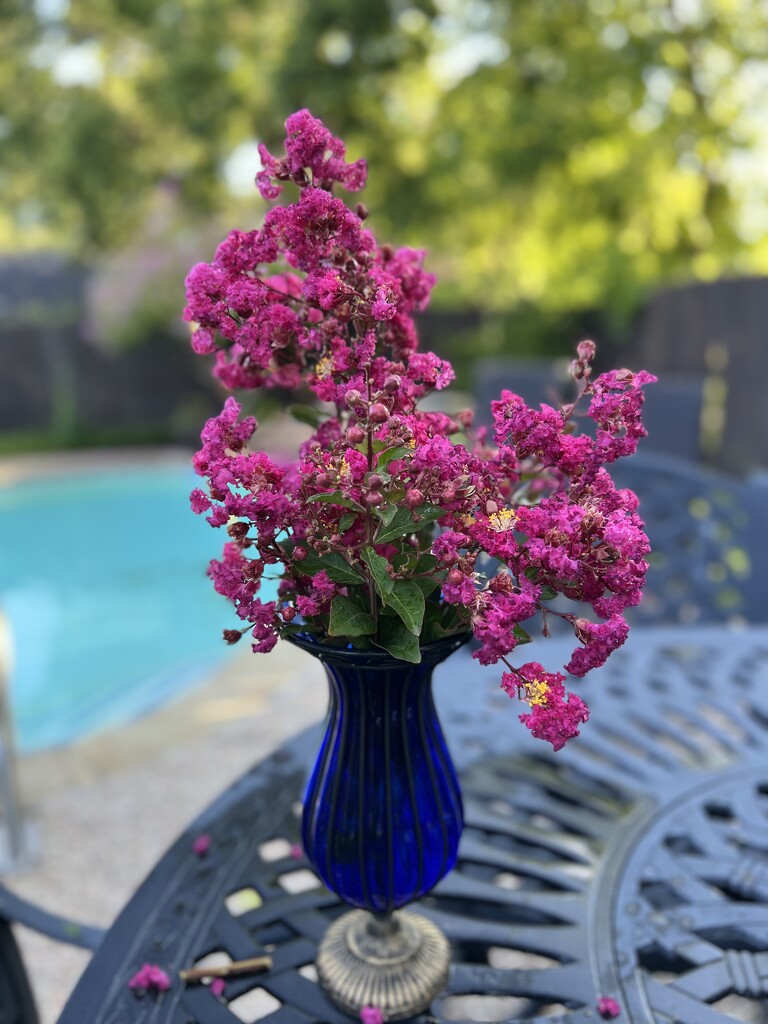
column 560, row 159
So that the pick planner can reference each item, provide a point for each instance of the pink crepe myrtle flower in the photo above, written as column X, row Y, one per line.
column 485, row 535
column 150, row 976
column 372, row 1015
column 202, row 844
column 309, row 147
column 599, row 639
column 382, row 309
column 608, row 1008
column 555, row 714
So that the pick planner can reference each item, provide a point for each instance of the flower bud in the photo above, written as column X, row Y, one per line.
column 455, row 577
column 288, row 613
column 374, row 498
column 392, row 383
column 586, row 350
column 237, row 530
column 254, row 569
column 324, row 480
column 353, row 397
column 231, row 636
column 395, row 423
column 299, row 554
column 355, row 435
column 361, row 211
column 378, row 413
column 466, row 418
column 413, row 498
column 374, row 481
column 501, row 583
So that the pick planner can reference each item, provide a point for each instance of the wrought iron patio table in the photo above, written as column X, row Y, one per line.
column 632, row 864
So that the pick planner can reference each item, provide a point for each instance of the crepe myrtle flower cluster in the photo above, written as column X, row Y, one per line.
column 149, row 977
column 396, row 526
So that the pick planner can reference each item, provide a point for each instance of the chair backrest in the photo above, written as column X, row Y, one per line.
column 672, row 416
column 717, row 329
column 536, row 381
column 709, row 561
column 671, row 412
column 17, row 1005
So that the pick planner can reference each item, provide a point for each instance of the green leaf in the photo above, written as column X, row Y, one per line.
column 399, row 641
column 336, row 498
column 291, row 629
column 430, row 512
column 548, row 593
column 403, row 559
column 390, row 455
column 387, row 513
column 426, row 563
column 402, row 522
column 306, row 414
column 521, row 635
column 408, row 601
column 348, row 620
column 443, row 620
column 360, row 643
column 360, row 597
column 378, row 567
column 337, row 567
column 434, row 620
column 346, row 521
column 399, row 525
column 426, row 584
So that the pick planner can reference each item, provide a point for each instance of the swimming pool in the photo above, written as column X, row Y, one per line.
column 102, row 581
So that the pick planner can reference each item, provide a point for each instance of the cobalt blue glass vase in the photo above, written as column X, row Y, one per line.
column 381, row 825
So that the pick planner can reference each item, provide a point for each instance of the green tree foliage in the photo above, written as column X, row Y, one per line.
column 565, row 154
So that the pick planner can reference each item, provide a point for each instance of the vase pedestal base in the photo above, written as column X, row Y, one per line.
column 396, row 962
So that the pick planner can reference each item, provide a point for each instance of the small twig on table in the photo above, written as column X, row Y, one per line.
column 253, row 966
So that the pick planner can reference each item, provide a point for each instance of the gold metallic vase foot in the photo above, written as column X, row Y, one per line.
column 396, row 962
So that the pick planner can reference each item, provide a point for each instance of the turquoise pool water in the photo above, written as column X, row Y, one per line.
column 102, row 579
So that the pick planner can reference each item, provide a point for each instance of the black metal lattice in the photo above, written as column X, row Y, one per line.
column 634, row 864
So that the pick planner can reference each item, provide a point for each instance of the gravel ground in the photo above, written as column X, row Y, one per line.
column 106, row 808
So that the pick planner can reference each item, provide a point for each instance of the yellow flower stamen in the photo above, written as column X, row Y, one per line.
column 324, row 367
column 503, row 520
column 536, row 692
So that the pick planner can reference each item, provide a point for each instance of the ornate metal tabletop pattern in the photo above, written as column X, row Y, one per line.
column 633, row 864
